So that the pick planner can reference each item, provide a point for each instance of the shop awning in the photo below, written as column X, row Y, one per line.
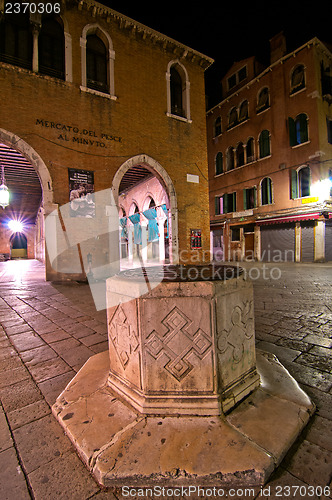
column 289, row 218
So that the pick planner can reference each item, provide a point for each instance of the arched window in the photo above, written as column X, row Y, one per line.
column 176, row 93
column 16, row 40
column 240, row 155
column 250, row 150
column 264, row 144
column 96, row 64
column 152, row 203
column 304, row 181
column 229, row 159
column 297, row 79
column 263, row 100
column 217, row 126
column 97, row 60
column 51, row 49
column 219, row 163
column 266, row 191
column 178, row 90
column 232, row 118
column 243, row 111
column 298, row 129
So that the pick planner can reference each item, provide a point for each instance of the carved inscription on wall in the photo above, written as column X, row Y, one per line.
column 178, row 343
column 123, row 337
column 240, row 329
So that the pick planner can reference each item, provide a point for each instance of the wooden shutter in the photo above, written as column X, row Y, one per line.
column 293, row 185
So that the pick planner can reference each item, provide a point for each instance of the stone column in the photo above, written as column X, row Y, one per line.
column 257, row 243
column 130, row 244
column 144, row 242
column 319, row 245
column 298, row 233
column 161, row 240
column 35, row 58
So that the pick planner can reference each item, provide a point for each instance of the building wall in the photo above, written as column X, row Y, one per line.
column 72, row 128
column 283, row 158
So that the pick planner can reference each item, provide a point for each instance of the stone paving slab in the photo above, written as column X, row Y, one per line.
column 302, row 297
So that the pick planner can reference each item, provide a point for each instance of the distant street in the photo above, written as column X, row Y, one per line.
column 48, row 331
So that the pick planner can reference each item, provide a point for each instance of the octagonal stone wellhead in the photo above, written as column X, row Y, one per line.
column 182, row 339
column 181, row 397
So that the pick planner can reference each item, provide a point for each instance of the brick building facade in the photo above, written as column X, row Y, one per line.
column 270, row 157
column 91, row 90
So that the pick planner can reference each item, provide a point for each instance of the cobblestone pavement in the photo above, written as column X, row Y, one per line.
column 48, row 331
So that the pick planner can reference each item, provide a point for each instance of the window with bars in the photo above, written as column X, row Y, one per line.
column 96, row 64
column 16, row 40
column 51, row 49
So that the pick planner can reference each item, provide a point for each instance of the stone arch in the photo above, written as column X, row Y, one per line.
column 158, row 171
column 15, row 142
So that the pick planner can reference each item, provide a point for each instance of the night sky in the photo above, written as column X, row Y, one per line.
column 230, row 31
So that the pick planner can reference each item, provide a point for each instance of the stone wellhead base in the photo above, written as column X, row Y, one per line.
column 121, row 446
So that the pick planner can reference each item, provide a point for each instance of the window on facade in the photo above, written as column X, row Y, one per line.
column 304, row 181
column 243, row 112
column 329, row 130
column 51, row 49
column 96, row 64
column 326, row 79
column 232, row 118
column 229, row 203
column 240, row 155
column 217, row 127
column 242, row 74
column 297, row 79
column 219, row 163
column 249, row 198
column 250, row 150
column 218, row 205
column 264, row 144
column 235, row 234
column 229, row 159
column 231, row 81
column 266, row 191
column 298, row 129
column 263, row 100
column 16, row 40
column 176, row 93
column 300, row 182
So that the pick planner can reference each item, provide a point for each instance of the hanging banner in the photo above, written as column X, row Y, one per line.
column 81, row 193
